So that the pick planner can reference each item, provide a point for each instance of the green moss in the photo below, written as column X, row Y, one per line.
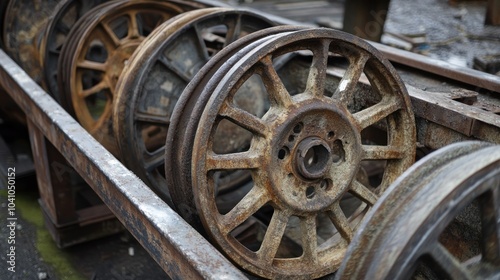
column 29, row 209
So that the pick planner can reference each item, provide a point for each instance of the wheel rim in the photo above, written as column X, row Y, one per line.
column 470, row 174
column 186, row 112
column 301, row 162
column 94, row 61
column 23, row 25
column 65, row 15
column 149, row 88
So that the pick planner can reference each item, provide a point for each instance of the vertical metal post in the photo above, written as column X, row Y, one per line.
column 365, row 18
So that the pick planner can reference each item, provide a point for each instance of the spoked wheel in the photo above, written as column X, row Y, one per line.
column 100, row 45
column 64, row 17
column 439, row 220
column 157, row 74
column 23, row 26
column 180, row 138
column 305, row 151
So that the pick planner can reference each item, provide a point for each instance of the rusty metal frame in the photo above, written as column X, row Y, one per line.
column 174, row 245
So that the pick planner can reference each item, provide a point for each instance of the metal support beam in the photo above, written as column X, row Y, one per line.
column 174, row 245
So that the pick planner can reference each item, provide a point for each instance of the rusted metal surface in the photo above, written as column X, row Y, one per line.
column 91, row 64
column 63, row 18
column 441, row 68
column 416, row 222
column 148, row 90
column 22, row 29
column 177, row 248
column 305, row 151
column 184, row 120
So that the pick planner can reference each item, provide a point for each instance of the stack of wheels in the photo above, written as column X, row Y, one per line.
column 157, row 74
column 273, row 141
column 99, row 46
column 265, row 113
column 439, row 220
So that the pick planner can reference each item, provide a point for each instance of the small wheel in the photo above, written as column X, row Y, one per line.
column 180, row 138
column 100, row 45
column 305, row 151
column 23, row 25
column 438, row 221
column 149, row 87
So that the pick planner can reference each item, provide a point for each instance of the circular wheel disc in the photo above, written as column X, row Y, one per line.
column 100, row 46
column 157, row 74
column 305, row 151
column 439, row 220
column 23, row 25
column 64, row 17
column 180, row 137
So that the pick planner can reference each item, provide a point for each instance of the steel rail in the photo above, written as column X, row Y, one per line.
column 174, row 245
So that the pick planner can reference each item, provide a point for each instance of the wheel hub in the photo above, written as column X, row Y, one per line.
column 315, row 157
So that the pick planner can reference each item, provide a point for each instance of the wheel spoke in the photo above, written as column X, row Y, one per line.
column 375, row 113
column 251, row 203
column 151, row 119
column 201, row 43
column 309, row 239
column 350, row 79
column 340, row 221
column 243, row 160
column 490, row 220
column 155, row 159
column 133, row 28
column 273, row 236
column 382, row 152
column 362, row 192
column 174, row 68
column 448, row 264
column 94, row 90
column 278, row 94
column 92, row 65
column 317, row 73
column 244, row 119
column 109, row 34
column 62, row 27
column 233, row 32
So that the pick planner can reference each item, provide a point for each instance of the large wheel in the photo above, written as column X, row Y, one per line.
column 439, row 220
column 91, row 64
column 304, row 153
column 157, row 74
column 63, row 18
column 179, row 135
column 23, row 25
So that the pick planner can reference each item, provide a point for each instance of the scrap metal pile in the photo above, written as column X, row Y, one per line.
column 291, row 148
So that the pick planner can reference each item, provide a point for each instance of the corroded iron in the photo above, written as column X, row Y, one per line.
column 183, row 121
column 63, row 18
column 172, row 243
column 148, row 89
column 92, row 62
column 416, row 223
column 22, row 27
column 305, row 150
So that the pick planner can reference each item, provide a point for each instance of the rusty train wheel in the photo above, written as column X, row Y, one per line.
column 149, row 88
column 92, row 63
column 438, row 221
column 179, row 139
column 64, row 17
column 305, row 152
column 23, row 26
